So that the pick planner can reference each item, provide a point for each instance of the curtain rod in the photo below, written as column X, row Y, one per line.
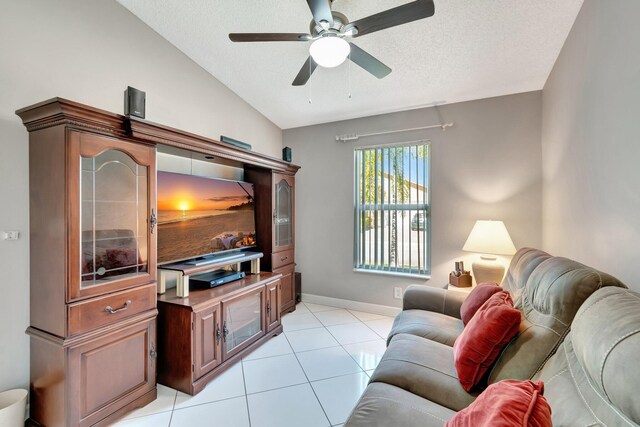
column 355, row 136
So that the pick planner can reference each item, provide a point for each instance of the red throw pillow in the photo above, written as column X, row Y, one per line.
column 482, row 340
column 478, row 296
column 508, row 403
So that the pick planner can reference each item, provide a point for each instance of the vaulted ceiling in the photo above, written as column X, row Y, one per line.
column 470, row 49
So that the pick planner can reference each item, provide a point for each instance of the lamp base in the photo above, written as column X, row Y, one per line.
column 487, row 269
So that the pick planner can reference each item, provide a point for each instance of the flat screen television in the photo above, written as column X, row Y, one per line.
column 200, row 216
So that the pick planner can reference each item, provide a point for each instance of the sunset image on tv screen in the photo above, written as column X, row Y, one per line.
column 198, row 216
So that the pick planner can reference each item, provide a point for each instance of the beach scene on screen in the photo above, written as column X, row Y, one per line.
column 198, row 216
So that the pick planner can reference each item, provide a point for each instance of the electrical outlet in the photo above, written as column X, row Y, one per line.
column 10, row 235
column 397, row 293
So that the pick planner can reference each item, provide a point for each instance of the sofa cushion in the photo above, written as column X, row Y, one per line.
column 554, row 291
column 508, row 403
column 478, row 296
column 522, row 265
column 425, row 368
column 594, row 374
column 384, row 405
column 495, row 323
column 427, row 324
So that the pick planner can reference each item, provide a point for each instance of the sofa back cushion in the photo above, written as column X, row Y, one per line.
column 554, row 291
column 522, row 265
column 593, row 378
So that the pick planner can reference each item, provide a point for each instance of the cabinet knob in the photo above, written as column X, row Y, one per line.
column 284, row 258
column 110, row 310
column 268, row 307
column 152, row 353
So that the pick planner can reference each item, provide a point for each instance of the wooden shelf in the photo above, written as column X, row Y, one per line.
column 182, row 272
column 200, row 297
column 190, row 269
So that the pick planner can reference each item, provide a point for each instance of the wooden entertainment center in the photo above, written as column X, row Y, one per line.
column 94, row 309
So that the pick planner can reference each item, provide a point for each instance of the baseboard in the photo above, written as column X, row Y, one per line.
column 384, row 310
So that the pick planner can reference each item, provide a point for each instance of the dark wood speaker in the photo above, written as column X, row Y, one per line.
column 298, row 285
column 134, row 102
column 286, row 154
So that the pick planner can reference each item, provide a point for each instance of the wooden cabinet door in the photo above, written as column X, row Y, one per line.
column 287, row 288
column 273, row 305
column 243, row 321
column 112, row 214
column 109, row 372
column 283, row 212
column 207, row 340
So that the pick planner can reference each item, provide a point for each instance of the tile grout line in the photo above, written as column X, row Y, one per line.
column 309, row 382
column 208, row 403
column 173, row 408
column 346, row 351
column 349, row 354
column 340, row 344
column 246, row 398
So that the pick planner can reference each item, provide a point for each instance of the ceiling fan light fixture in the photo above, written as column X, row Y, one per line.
column 329, row 51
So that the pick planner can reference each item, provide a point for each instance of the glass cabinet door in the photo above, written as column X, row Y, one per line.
column 242, row 321
column 115, row 216
column 283, row 216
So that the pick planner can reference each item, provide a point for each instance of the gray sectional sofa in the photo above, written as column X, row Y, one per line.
column 580, row 328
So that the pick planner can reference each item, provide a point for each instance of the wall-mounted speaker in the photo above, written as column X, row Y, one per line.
column 134, row 102
column 286, row 154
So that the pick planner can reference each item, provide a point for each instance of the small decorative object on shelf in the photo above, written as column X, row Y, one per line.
column 460, row 277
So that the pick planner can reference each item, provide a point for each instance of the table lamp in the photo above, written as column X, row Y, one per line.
column 489, row 238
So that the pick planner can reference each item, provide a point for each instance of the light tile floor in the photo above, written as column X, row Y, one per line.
column 311, row 375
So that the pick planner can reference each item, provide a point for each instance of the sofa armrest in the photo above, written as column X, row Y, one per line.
column 422, row 297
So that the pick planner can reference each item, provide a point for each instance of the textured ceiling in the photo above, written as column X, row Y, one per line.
column 470, row 49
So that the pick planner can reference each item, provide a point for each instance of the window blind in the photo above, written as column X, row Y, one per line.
column 392, row 212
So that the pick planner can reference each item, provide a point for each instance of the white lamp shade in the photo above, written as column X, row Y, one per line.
column 329, row 52
column 489, row 237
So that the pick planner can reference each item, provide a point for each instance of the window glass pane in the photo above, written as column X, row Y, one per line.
column 392, row 208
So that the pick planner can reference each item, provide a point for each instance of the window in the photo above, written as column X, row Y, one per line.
column 392, row 212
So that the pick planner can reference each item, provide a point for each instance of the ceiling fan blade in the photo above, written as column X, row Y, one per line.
column 321, row 11
column 305, row 72
column 368, row 62
column 409, row 12
column 269, row 37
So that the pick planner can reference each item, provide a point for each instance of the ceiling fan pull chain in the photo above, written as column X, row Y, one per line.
column 349, row 76
column 309, row 85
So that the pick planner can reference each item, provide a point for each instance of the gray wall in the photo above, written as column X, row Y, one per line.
column 89, row 51
column 590, row 142
column 488, row 166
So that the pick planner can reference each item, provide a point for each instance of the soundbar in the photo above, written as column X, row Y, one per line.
column 214, row 278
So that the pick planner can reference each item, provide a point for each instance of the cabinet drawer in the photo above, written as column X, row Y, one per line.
column 101, row 311
column 281, row 258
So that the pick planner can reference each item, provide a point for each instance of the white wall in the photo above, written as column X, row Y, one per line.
column 591, row 142
column 488, row 166
column 90, row 51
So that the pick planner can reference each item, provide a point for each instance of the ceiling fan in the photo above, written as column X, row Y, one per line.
column 330, row 31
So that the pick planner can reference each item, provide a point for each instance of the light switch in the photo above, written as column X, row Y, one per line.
column 10, row 235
